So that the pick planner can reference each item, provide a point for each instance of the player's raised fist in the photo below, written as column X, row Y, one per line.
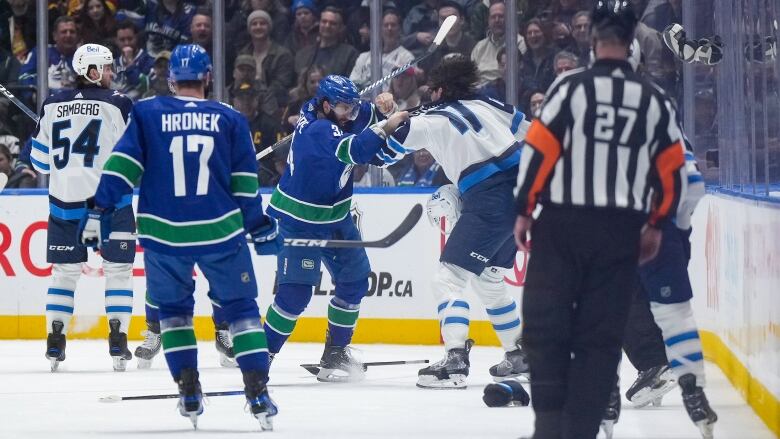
column 385, row 103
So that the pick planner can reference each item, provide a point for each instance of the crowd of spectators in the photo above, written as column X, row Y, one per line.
column 277, row 51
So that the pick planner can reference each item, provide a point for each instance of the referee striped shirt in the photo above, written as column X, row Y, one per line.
column 606, row 138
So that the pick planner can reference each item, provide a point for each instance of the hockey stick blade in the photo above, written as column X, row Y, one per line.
column 445, row 28
column 3, row 180
column 117, row 398
column 405, row 227
column 314, row 369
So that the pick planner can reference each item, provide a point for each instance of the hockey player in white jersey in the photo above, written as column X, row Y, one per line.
column 477, row 142
column 74, row 138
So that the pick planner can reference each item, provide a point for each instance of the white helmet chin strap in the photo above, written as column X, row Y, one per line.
column 95, row 81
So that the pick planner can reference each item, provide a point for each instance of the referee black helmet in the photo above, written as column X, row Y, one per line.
column 613, row 19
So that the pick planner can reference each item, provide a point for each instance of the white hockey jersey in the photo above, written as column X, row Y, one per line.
column 75, row 136
column 471, row 139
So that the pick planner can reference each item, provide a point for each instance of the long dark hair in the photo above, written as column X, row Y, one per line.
column 457, row 76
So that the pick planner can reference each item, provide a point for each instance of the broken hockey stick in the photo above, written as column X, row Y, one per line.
column 406, row 225
column 117, row 398
column 443, row 31
column 314, row 369
column 18, row 103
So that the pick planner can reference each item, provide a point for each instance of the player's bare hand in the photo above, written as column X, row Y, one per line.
column 394, row 121
column 425, row 38
column 385, row 103
column 522, row 229
column 649, row 244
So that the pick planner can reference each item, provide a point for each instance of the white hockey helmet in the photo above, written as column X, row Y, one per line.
column 91, row 55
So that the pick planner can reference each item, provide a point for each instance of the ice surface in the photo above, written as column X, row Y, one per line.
column 35, row 403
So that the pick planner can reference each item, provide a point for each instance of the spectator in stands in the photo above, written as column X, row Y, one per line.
column 9, row 68
column 335, row 57
column 96, row 23
column 485, row 53
column 358, row 29
column 496, row 88
column 564, row 10
column 280, row 21
column 536, row 70
column 245, row 98
column 393, row 54
column 423, row 171
column 274, row 66
column 17, row 178
column 372, row 177
column 404, row 90
column 134, row 65
column 200, row 29
column 167, row 24
column 244, row 70
column 305, row 28
column 8, row 135
column 420, row 25
column 308, row 83
column 561, row 37
column 60, row 72
column 565, row 61
column 476, row 17
column 580, row 30
column 533, row 104
column 158, row 79
column 17, row 27
column 668, row 12
column 456, row 40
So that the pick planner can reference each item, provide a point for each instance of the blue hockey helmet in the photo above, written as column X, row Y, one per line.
column 189, row 62
column 337, row 89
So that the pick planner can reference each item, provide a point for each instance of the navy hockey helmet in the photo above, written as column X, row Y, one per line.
column 614, row 17
column 189, row 62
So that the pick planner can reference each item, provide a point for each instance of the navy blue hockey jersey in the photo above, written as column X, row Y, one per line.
column 199, row 190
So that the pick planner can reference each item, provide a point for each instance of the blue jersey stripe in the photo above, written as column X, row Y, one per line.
column 40, row 146
column 487, row 171
column 685, row 336
column 39, row 165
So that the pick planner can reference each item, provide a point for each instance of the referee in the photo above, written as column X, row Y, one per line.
column 605, row 160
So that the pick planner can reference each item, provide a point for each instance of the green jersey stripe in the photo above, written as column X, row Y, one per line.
column 307, row 212
column 191, row 233
column 243, row 184
column 343, row 150
column 125, row 166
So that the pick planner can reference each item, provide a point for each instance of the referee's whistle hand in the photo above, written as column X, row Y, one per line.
column 649, row 244
column 522, row 228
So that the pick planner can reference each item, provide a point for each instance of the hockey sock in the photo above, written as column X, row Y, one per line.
column 179, row 344
column 500, row 306
column 152, row 311
column 290, row 301
column 218, row 315
column 119, row 293
column 454, row 322
column 249, row 344
column 342, row 318
column 681, row 336
column 59, row 299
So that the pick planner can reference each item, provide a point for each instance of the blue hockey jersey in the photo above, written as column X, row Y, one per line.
column 199, row 191
column 315, row 191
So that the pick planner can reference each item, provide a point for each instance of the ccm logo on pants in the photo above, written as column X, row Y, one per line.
column 479, row 257
column 60, row 248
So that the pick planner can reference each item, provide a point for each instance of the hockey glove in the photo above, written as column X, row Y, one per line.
column 267, row 238
column 444, row 203
column 94, row 228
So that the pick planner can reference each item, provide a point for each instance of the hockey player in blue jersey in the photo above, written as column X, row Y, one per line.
column 72, row 141
column 312, row 201
column 477, row 142
column 197, row 199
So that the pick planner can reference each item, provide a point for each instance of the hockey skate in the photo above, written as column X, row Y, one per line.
column 651, row 385
column 225, row 347
column 150, row 347
column 117, row 346
column 612, row 413
column 697, row 406
column 260, row 403
column 55, row 345
column 515, row 364
column 339, row 365
column 450, row 372
column 190, row 396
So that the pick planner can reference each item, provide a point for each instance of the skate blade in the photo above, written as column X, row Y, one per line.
column 646, row 396
column 194, row 419
column 522, row 377
column 431, row 382
column 608, row 427
column 226, row 361
column 55, row 364
column 339, row 376
column 266, row 421
column 120, row 364
column 144, row 363
column 706, row 428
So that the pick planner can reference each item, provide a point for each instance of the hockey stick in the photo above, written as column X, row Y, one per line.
column 406, row 225
column 443, row 31
column 18, row 103
column 314, row 369
column 117, row 398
